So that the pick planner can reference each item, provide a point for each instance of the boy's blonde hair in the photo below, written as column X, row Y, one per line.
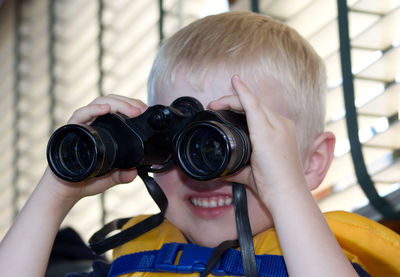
column 256, row 47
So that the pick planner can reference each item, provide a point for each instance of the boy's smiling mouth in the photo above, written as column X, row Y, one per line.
column 210, row 206
column 207, row 200
column 211, row 202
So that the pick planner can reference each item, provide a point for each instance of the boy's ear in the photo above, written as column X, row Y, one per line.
column 320, row 159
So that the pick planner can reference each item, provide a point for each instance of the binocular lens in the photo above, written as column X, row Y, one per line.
column 76, row 153
column 205, row 150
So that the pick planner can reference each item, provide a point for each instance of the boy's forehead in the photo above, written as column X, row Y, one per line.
column 212, row 85
column 216, row 82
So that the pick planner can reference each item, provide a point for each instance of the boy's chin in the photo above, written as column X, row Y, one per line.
column 209, row 241
column 211, row 236
column 214, row 233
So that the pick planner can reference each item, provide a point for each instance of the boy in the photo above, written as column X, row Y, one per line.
column 247, row 63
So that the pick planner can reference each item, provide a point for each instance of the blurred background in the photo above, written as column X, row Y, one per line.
column 56, row 56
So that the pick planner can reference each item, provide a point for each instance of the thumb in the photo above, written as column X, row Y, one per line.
column 243, row 176
column 123, row 176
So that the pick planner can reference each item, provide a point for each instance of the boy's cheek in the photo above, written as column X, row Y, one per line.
column 167, row 180
column 175, row 183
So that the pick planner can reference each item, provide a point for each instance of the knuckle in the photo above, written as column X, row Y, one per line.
column 255, row 105
column 98, row 100
column 76, row 113
column 140, row 102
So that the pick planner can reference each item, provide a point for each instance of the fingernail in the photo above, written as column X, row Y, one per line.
column 236, row 77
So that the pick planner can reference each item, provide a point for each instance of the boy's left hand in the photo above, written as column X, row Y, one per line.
column 275, row 162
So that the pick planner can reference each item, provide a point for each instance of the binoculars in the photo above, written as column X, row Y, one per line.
column 204, row 144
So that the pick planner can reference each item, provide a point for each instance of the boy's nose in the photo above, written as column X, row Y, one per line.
column 203, row 186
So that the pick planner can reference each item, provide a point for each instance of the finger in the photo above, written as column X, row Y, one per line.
column 108, row 104
column 227, row 102
column 254, row 108
column 121, row 105
column 243, row 176
column 88, row 113
column 134, row 102
column 100, row 184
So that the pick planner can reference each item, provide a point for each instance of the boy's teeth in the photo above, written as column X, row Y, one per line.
column 211, row 202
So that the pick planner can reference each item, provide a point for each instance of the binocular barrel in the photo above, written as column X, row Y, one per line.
column 209, row 149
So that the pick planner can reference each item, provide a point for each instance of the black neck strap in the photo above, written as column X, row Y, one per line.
column 100, row 243
column 244, row 234
column 244, row 230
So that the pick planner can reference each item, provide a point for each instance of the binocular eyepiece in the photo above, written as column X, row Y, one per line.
column 204, row 144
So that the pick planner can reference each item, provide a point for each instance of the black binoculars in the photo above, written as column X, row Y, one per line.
column 204, row 144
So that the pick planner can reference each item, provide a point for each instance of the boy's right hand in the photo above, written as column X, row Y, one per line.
column 31, row 237
column 69, row 191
